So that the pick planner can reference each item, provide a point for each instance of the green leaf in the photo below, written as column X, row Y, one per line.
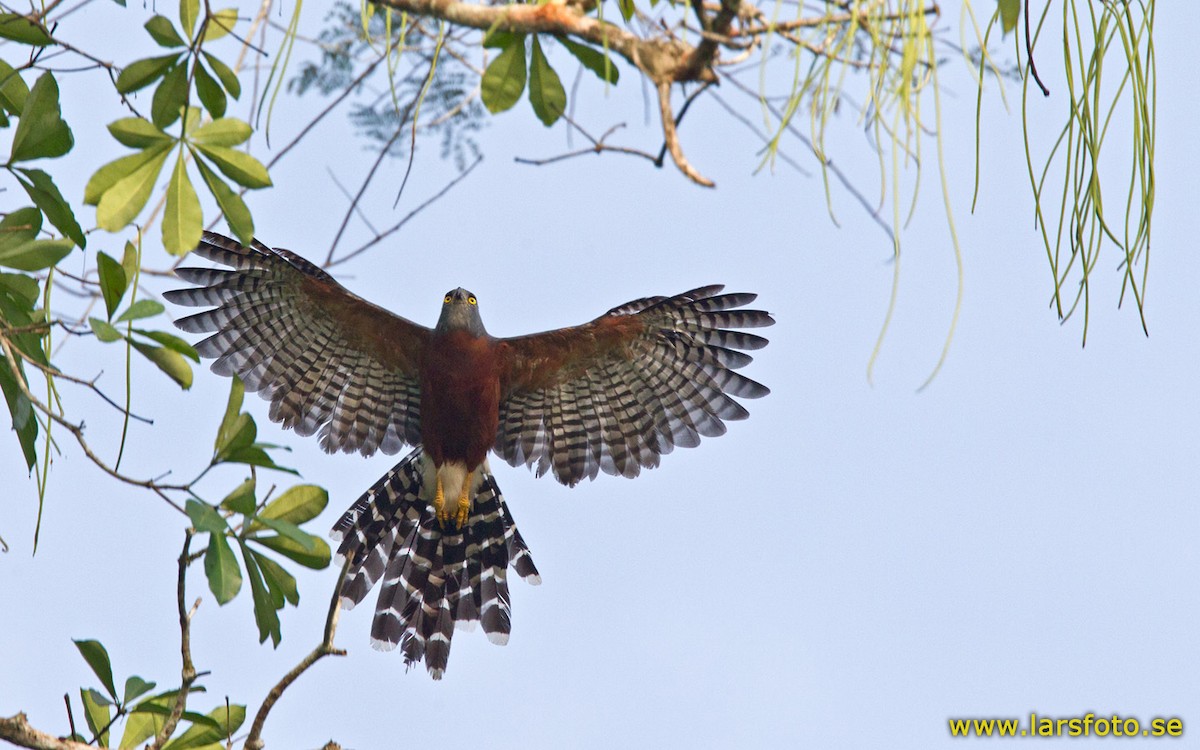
column 45, row 194
column 169, row 97
column 225, row 74
column 495, row 39
column 141, row 73
column 265, row 614
column 21, row 409
column 99, row 698
column 13, row 90
column 135, row 687
column 164, row 33
column 20, row 29
column 212, row 96
column 205, row 518
column 291, row 531
column 1010, row 11
column 627, row 9
column 19, row 227
column 96, row 656
column 129, row 261
column 112, row 282
column 41, row 132
column 137, row 132
column 220, row 24
column 143, row 308
column 172, row 342
column 18, row 247
column 254, row 455
column 96, row 713
column 281, row 583
column 115, row 171
column 189, row 10
column 296, row 505
column 230, row 422
column 222, row 725
column 170, row 362
column 231, row 204
column 19, row 288
column 139, row 727
column 504, row 80
column 183, row 220
column 123, row 201
column 35, row 255
column 241, row 500
column 238, row 166
column 241, row 435
column 227, row 131
column 546, row 92
column 105, row 332
column 318, row 559
column 594, row 60
column 224, row 577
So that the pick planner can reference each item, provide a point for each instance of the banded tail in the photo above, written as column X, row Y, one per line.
column 434, row 578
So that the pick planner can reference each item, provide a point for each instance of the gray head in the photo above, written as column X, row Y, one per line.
column 460, row 311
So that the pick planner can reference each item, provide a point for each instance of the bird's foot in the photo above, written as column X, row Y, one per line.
column 439, row 502
column 464, row 502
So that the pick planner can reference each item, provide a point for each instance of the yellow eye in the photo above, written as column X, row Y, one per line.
column 447, row 300
column 472, row 300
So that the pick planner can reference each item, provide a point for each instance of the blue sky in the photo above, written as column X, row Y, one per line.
column 847, row 569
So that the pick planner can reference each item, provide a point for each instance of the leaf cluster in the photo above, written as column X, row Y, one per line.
column 144, row 715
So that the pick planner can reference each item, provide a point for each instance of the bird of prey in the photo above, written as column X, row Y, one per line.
column 611, row 396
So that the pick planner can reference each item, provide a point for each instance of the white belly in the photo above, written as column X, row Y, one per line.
column 453, row 474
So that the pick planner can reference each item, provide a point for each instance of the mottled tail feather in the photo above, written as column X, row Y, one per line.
column 434, row 578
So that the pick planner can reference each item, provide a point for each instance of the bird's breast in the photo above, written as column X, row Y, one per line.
column 460, row 398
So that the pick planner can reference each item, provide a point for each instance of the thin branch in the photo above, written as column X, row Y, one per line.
column 1029, row 53
column 54, row 372
column 77, row 431
column 825, row 161
column 396, row 227
column 679, row 117
column 383, row 152
column 188, row 672
column 672, row 138
column 325, row 648
column 598, row 146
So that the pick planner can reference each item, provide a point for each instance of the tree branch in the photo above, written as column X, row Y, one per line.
column 17, row 731
column 77, row 431
column 672, row 138
column 188, row 672
column 660, row 59
column 254, row 739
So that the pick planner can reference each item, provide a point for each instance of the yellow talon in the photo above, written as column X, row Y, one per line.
column 439, row 501
column 464, row 502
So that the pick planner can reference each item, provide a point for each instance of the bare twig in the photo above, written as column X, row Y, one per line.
column 825, row 161
column 396, row 227
column 188, row 671
column 383, row 152
column 77, row 431
column 672, row 138
column 325, row 648
column 1029, row 53
column 599, row 146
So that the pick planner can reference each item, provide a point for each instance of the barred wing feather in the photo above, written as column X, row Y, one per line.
column 615, row 394
column 328, row 361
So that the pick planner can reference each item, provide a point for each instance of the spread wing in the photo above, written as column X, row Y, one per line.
column 327, row 360
column 615, row 394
